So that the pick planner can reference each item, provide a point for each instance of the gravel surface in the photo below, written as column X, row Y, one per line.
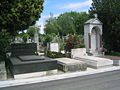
column 111, row 57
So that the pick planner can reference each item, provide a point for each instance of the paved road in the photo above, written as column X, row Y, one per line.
column 103, row 81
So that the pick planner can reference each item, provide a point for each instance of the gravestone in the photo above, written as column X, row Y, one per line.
column 93, row 36
column 24, row 60
column 78, row 52
column 54, row 47
column 23, row 49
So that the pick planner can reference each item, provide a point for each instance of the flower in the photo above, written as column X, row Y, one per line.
column 73, row 41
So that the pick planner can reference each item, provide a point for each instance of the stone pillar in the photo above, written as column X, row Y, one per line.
column 89, row 36
column 36, row 39
column 100, row 41
column 3, row 75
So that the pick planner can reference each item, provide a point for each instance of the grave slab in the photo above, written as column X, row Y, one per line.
column 67, row 64
column 95, row 62
column 31, row 57
column 18, row 66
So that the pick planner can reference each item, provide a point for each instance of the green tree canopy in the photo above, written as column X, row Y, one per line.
column 31, row 30
column 109, row 13
column 18, row 15
column 67, row 23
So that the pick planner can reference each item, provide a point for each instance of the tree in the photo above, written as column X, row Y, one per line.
column 18, row 15
column 4, row 42
column 51, row 26
column 31, row 31
column 67, row 23
column 79, row 22
column 108, row 12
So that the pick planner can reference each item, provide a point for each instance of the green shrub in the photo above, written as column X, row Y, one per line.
column 114, row 53
column 55, row 54
column 4, row 42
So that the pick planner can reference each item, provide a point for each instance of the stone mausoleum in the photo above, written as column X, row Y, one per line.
column 93, row 36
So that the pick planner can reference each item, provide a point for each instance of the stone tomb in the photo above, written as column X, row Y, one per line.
column 25, row 63
column 95, row 62
column 67, row 64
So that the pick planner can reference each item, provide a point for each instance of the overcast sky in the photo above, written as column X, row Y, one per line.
column 57, row 7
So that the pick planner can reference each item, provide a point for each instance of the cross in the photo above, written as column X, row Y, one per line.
column 95, row 15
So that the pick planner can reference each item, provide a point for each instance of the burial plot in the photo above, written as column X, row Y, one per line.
column 24, row 60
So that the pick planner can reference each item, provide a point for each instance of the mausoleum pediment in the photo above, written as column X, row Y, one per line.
column 93, row 21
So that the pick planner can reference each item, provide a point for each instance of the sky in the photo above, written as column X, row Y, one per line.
column 57, row 7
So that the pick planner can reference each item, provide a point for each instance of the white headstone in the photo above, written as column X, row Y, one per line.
column 79, row 52
column 54, row 47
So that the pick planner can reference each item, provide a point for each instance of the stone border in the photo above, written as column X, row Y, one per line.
column 56, row 77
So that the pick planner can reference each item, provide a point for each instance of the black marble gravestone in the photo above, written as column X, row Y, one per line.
column 25, row 60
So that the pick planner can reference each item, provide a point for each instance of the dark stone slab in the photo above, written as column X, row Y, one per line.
column 31, row 57
column 24, row 60
column 20, row 49
column 20, row 67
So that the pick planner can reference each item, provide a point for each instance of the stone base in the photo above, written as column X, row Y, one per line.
column 3, row 75
column 95, row 62
column 116, row 62
column 67, row 64
column 20, row 67
column 35, row 74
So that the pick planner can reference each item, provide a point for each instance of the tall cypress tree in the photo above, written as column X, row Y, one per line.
column 109, row 13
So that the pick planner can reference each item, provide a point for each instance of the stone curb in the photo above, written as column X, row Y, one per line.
column 90, row 71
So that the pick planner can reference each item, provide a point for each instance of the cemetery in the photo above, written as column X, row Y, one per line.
column 25, row 59
column 69, row 44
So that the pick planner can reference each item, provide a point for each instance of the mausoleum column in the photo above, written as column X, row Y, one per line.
column 89, row 37
column 100, row 41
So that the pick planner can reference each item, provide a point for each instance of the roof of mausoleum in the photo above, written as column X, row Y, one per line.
column 93, row 21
